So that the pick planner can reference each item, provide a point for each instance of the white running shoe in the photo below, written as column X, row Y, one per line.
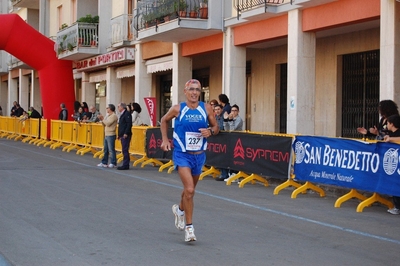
column 102, row 165
column 179, row 219
column 394, row 211
column 189, row 234
column 111, row 165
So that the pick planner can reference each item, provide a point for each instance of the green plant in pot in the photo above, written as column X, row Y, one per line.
column 89, row 19
column 193, row 13
column 70, row 47
column 180, row 7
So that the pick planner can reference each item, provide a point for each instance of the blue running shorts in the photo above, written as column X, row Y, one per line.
column 194, row 161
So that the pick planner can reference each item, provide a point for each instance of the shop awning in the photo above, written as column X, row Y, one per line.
column 159, row 64
column 125, row 71
column 97, row 76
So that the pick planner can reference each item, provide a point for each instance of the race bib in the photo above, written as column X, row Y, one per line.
column 194, row 141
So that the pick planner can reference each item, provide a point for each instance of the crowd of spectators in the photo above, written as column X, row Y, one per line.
column 18, row 111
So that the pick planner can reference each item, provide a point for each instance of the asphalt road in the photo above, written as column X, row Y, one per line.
column 58, row 208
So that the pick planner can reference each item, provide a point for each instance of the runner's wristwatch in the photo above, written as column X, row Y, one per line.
column 211, row 131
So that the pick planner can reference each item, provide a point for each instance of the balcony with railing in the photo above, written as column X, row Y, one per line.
column 79, row 41
column 14, row 62
column 254, row 10
column 122, row 31
column 34, row 4
column 177, row 20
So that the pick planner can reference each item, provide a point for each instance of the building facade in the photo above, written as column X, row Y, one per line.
column 317, row 67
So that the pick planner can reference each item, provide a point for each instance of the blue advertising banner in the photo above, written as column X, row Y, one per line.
column 372, row 167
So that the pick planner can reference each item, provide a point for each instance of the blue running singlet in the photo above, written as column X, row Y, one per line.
column 187, row 136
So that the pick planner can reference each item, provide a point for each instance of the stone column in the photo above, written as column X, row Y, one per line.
column 390, row 51
column 182, row 72
column 113, row 87
column 24, row 90
column 12, row 93
column 301, row 77
column 234, row 73
column 89, row 93
column 36, row 96
column 88, row 90
column 143, row 83
column 4, row 97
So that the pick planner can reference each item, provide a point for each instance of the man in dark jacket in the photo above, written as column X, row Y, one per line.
column 34, row 113
column 19, row 110
column 124, row 134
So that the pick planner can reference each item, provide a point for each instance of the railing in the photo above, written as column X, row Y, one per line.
column 154, row 12
column 79, row 34
column 242, row 5
column 121, row 28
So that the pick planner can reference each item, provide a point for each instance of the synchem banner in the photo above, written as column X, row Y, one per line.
column 251, row 153
column 372, row 167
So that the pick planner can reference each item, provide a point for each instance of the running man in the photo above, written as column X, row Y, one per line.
column 194, row 123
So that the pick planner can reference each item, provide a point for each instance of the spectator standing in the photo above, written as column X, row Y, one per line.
column 94, row 115
column 110, row 124
column 124, row 134
column 213, row 103
column 19, row 111
column 12, row 112
column 136, row 109
column 232, row 122
column 192, row 120
column 393, row 125
column 78, row 116
column 63, row 115
column 224, row 102
column 34, row 113
column 218, row 116
column 1, row 110
column 386, row 109
column 77, row 104
column 85, row 107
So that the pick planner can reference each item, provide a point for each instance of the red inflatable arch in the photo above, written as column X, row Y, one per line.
column 36, row 50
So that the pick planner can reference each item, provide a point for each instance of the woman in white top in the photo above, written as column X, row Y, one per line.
column 136, row 109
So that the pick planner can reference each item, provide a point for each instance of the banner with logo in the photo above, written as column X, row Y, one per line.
column 251, row 153
column 153, row 144
column 151, row 108
column 372, row 167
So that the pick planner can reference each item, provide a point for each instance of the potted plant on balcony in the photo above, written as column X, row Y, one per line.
column 203, row 11
column 70, row 47
column 63, row 26
column 89, row 19
column 61, row 47
column 193, row 13
column 180, row 7
column 149, row 20
column 165, row 10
